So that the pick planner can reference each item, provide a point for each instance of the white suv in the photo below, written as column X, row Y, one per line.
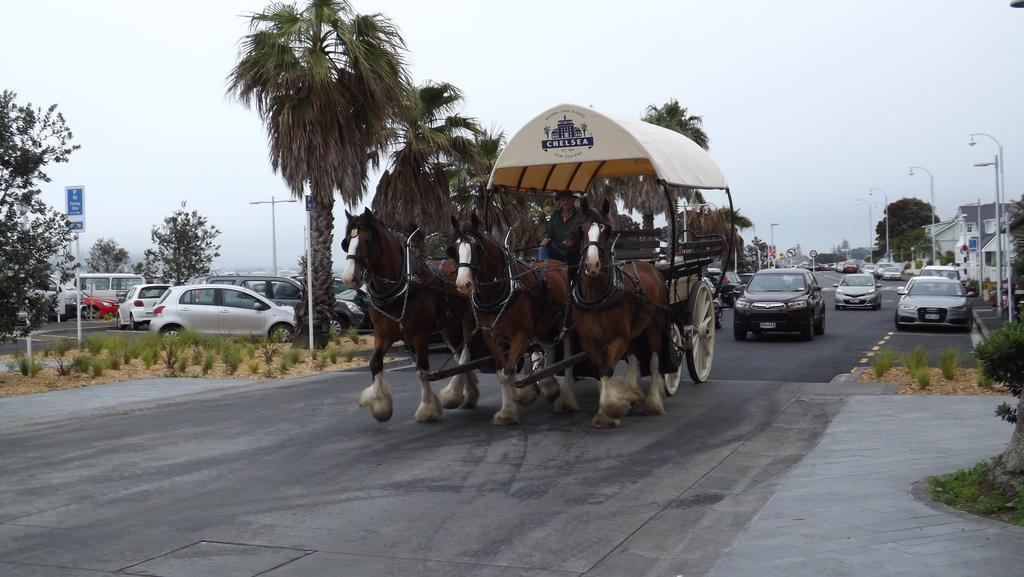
column 950, row 272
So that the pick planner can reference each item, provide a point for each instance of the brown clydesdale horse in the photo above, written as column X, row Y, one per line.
column 516, row 305
column 410, row 301
column 619, row 310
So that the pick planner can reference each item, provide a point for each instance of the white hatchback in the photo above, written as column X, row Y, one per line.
column 221, row 309
column 137, row 307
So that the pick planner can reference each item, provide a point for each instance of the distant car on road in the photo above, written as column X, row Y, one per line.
column 221, row 309
column 858, row 291
column 934, row 301
column 890, row 272
column 780, row 300
column 137, row 307
column 850, row 267
column 950, row 272
column 729, row 289
column 869, row 269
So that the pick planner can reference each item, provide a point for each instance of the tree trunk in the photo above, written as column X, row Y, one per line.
column 322, row 238
column 648, row 221
column 1008, row 468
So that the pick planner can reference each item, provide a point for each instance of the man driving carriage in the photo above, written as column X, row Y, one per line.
column 559, row 239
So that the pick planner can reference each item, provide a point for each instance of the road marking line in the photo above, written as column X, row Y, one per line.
column 875, row 348
column 890, row 333
column 871, row 354
column 863, row 361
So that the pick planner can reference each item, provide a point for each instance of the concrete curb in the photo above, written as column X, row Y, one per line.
column 981, row 327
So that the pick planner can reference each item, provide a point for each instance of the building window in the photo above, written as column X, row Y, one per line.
column 970, row 228
column 990, row 258
column 990, row 226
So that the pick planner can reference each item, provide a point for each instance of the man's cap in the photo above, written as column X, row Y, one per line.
column 563, row 193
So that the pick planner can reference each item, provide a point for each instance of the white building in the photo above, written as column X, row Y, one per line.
column 974, row 226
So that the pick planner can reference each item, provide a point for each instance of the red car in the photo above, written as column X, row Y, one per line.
column 850, row 267
column 97, row 307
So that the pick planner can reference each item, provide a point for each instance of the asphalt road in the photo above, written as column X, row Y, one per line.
column 850, row 335
column 294, row 480
column 54, row 331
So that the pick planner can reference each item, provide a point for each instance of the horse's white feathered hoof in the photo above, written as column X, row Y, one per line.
column 566, row 404
column 527, row 395
column 505, row 418
column 472, row 396
column 429, row 411
column 379, row 403
column 654, row 406
column 451, row 396
column 549, row 388
column 617, row 399
column 603, row 421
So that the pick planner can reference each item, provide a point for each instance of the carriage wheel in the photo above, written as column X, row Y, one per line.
column 701, row 353
column 673, row 379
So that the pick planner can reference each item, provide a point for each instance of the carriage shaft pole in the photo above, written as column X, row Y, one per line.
column 551, row 370
column 459, row 369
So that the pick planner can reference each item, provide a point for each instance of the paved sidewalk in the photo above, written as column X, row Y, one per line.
column 848, row 509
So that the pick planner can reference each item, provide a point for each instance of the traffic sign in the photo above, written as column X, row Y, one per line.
column 75, row 207
column 309, row 203
column 812, row 254
column 771, row 250
column 791, row 252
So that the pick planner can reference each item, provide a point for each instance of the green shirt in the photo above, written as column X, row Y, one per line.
column 559, row 230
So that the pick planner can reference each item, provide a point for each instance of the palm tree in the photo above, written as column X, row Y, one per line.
column 428, row 133
column 508, row 211
column 732, row 217
column 325, row 81
column 643, row 194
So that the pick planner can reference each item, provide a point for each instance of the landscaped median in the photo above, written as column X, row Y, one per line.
column 109, row 359
column 915, row 375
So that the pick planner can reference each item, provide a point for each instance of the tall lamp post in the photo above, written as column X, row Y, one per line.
column 273, row 225
column 871, row 229
column 1000, row 193
column 872, row 190
column 999, row 242
column 775, row 251
column 931, row 188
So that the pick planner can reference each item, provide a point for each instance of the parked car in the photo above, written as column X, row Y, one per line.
column 934, row 301
column 858, row 291
column 351, row 306
column 780, row 300
column 94, row 308
column 137, row 307
column 730, row 286
column 221, row 309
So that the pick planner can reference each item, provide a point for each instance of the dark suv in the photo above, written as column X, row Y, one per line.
column 785, row 300
column 730, row 286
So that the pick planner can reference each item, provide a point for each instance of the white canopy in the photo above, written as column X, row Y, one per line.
column 567, row 147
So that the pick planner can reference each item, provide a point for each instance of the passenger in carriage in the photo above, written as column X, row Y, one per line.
column 559, row 241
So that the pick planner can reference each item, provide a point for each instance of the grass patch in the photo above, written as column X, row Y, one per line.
column 924, row 378
column 208, row 361
column 916, row 359
column 28, row 369
column 333, row 356
column 294, row 356
column 254, row 366
column 883, row 362
column 969, row 490
column 949, row 362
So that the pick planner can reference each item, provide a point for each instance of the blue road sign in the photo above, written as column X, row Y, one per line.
column 75, row 204
column 309, row 203
column 972, row 244
column 77, row 226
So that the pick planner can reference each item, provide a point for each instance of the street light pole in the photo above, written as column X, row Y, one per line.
column 273, row 226
column 999, row 239
column 1000, row 194
column 888, row 254
column 931, row 188
column 775, row 251
column 871, row 230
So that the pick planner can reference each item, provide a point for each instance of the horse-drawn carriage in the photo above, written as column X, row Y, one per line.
column 637, row 295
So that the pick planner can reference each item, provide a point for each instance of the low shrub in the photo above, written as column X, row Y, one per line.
column 284, row 365
column 82, row 363
column 883, row 362
column 352, row 335
column 58, row 351
column 231, row 356
column 949, row 362
column 197, row 357
column 170, row 349
column 267, row 349
column 349, row 353
column 208, row 361
column 28, row 368
column 924, row 378
column 321, row 362
column 916, row 359
column 983, row 380
column 182, row 365
column 97, row 367
column 148, row 357
column 333, row 356
column 254, row 367
column 294, row 356
column 114, row 361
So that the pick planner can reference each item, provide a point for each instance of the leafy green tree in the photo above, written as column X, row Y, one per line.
column 326, row 82
column 107, row 256
column 148, row 267
column 905, row 214
column 429, row 133
column 1001, row 358
column 184, row 247
column 755, row 255
column 33, row 237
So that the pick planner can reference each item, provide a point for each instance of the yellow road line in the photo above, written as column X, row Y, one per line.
column 874, row 348
column 864, row 361
column 871, row 354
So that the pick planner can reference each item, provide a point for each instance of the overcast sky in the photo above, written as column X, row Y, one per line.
column 808, row 104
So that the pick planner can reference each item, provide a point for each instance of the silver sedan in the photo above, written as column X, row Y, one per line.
column 934, row 301
column 222, row 309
